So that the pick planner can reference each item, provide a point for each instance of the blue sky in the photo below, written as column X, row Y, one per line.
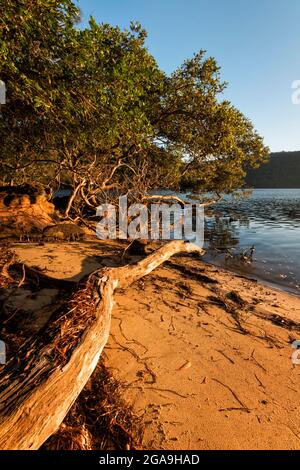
column 256, row 43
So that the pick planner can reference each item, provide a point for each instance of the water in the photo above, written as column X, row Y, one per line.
column 270, row 220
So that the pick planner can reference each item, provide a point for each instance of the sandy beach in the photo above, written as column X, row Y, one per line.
column 149, row 229
column 203, row 355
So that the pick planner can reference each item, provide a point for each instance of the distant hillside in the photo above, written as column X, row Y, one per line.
column 282, row 171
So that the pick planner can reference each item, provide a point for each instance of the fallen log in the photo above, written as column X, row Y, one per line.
column 38, row 387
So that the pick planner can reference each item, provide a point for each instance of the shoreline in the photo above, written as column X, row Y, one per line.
column 253, row 277
column 192, row 339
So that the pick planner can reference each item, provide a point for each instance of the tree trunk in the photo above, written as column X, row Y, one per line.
column 38, row 387
column 73, row 197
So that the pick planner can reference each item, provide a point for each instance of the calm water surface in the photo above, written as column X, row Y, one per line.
column 270, row 220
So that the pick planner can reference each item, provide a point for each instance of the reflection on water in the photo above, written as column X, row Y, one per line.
column 270, row 220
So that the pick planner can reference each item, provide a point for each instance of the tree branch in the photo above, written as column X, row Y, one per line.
column 38, row 387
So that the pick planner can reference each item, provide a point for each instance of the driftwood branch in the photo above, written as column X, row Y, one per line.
column 38, row 387
column 165, row 197
column 173, row 197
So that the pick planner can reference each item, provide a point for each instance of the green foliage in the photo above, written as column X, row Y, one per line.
column 92, row 108
column 33, row 38
column 281, row 171
column 218, row 142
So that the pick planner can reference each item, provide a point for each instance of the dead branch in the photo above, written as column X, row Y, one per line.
column 173, row 197
column 38, row 387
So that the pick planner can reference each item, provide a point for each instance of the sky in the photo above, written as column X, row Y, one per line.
column 256, row 43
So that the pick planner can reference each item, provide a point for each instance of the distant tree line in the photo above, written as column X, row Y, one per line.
column 89, row 107
column 281, row 171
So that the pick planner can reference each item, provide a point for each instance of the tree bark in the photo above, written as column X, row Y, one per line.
column 38, row 387
column 73, row 197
